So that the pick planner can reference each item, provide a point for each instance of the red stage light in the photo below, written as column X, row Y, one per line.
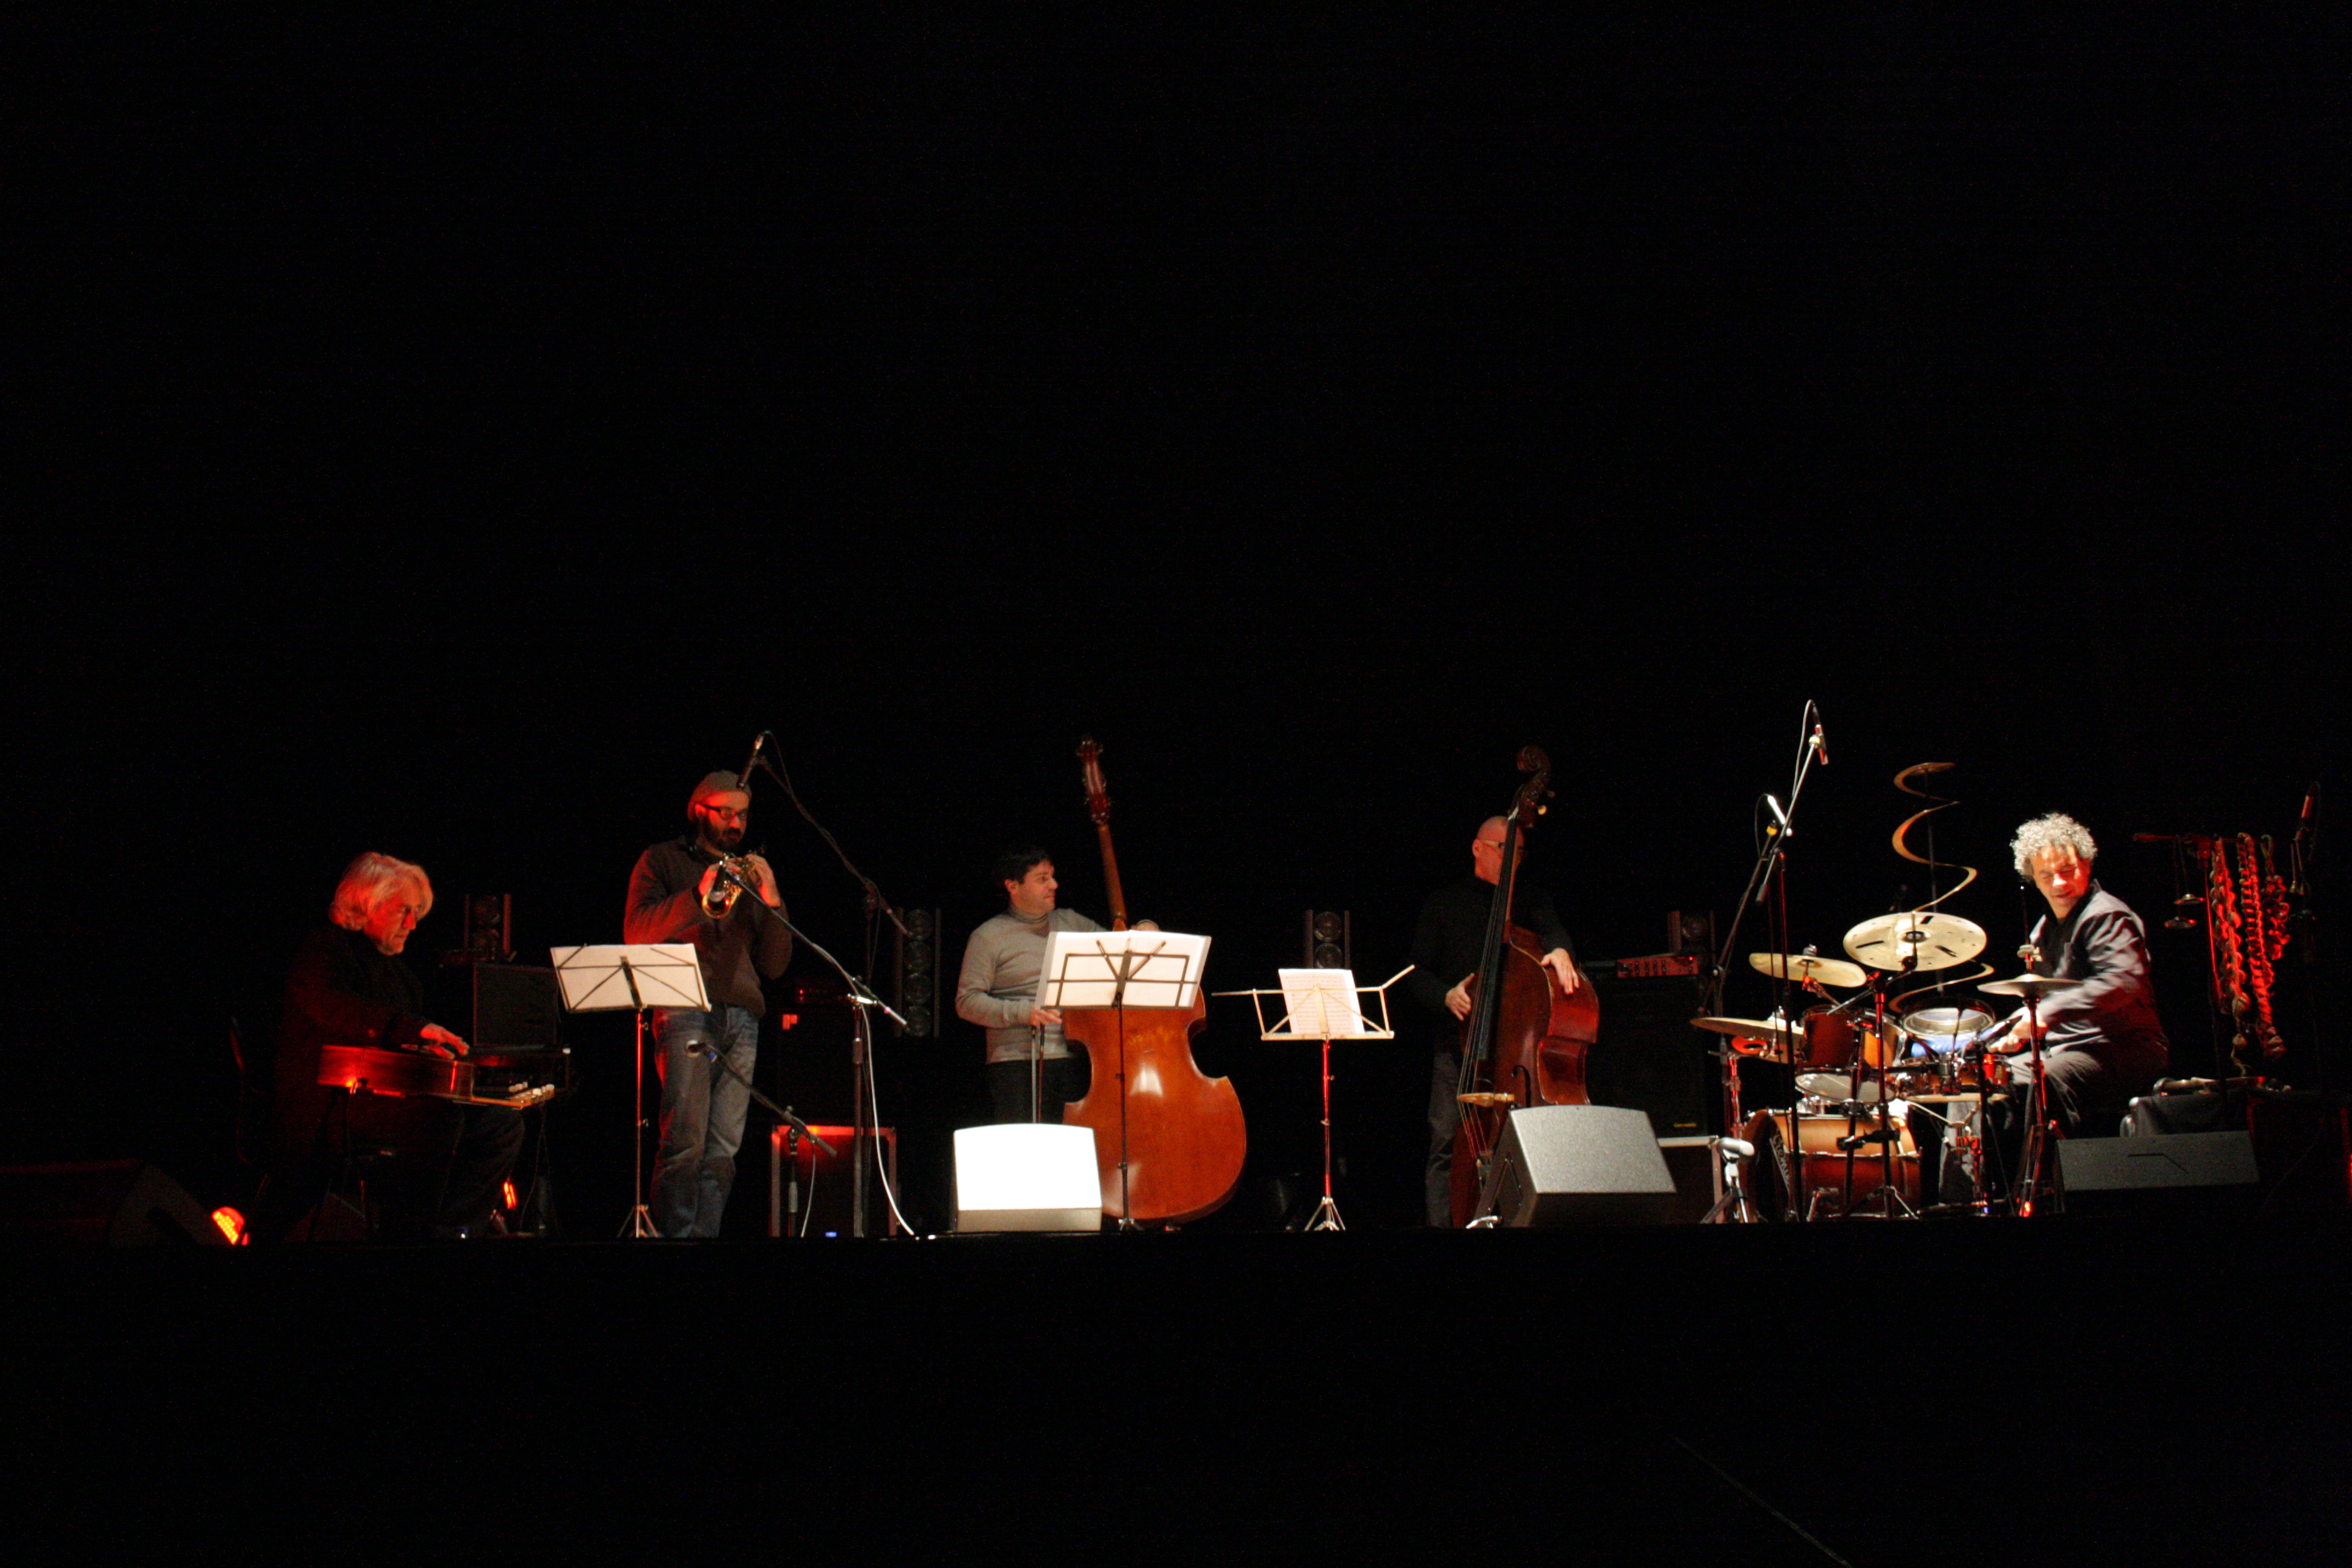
column 232, row 1226
column 510, row 1195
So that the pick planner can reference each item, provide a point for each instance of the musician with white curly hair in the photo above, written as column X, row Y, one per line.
column 2102, row 1043
column 441, row 1167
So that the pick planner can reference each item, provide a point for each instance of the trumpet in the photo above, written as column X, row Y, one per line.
column 724, row 893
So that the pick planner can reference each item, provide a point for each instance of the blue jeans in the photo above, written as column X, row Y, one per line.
column 702, row 1113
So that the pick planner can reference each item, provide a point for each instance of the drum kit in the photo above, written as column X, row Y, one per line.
column 1872, row 1081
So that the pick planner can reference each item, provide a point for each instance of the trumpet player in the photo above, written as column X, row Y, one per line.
column 677, row 893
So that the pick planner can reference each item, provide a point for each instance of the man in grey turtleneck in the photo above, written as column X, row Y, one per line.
column 998, row 990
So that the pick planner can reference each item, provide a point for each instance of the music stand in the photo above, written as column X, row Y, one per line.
column 1320, row 1005
column 635, row 975
column 1118, row 970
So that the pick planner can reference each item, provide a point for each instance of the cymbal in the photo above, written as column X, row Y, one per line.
column 1807, row 966
column 1751, row 1028
column 2035, row 986
column 1937, row 941
column 1779, row 1036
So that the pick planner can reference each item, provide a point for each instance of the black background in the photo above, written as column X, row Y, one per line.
column 454, row 438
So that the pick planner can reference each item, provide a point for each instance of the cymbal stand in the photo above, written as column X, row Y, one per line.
column 2036, row 1126
column 1884, row 1134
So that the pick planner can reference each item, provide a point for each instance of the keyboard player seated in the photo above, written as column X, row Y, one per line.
column 433, row 1168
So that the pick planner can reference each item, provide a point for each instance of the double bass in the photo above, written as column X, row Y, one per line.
column 1524, row 1040
column 1168, row 1139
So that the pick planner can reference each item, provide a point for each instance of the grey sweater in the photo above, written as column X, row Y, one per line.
column 998, row 985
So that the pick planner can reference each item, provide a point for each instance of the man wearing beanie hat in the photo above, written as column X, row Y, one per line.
column 670, row 899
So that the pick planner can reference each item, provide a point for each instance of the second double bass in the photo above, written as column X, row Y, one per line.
column 1526, row 1038
column 1170, row 1138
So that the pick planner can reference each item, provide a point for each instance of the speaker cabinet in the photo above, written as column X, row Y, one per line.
column 1696, row 1166
column 1649, row 1058
column 516, row 1005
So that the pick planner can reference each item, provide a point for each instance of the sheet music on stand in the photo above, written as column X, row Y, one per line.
column 597, row 979
column 1121, row 968
column 1321, row 1004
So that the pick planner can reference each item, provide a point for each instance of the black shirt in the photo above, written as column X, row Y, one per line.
column 1448, row 938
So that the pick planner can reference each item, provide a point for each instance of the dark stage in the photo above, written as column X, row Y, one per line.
column 2077, row 1392
column 454, row 440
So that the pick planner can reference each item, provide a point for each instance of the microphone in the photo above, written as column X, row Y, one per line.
column 1848, row 1146
column 744, row 778
column 1821, row 747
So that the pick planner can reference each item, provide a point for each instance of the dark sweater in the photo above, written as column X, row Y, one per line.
column 2100, row 943
column 739, row 952
column 1453, row 928
column 339, row 991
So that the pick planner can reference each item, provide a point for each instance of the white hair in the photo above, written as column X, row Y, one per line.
column 368, row 881
column 2055, row 831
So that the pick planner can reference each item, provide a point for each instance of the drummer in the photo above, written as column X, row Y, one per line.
column 2101, row 1041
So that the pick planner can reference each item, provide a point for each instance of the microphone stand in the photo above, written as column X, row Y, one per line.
column 861, row 1051
column 861, row 1063
column 783, row 1113
column 876, row 904
column 1772, row 859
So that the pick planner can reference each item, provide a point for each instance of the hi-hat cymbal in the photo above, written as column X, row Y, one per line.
column 2035, row 986
column 1931, row 940
column 1751, row 1028
column 1808, row 966
column 1777, row 1036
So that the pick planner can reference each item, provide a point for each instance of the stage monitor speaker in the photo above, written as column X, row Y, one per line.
column 2175, row 1173
column 107, row 1203
column 1019, row 1176
column 1578, row 1164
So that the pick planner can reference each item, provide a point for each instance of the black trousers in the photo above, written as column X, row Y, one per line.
column 1065, row 1079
